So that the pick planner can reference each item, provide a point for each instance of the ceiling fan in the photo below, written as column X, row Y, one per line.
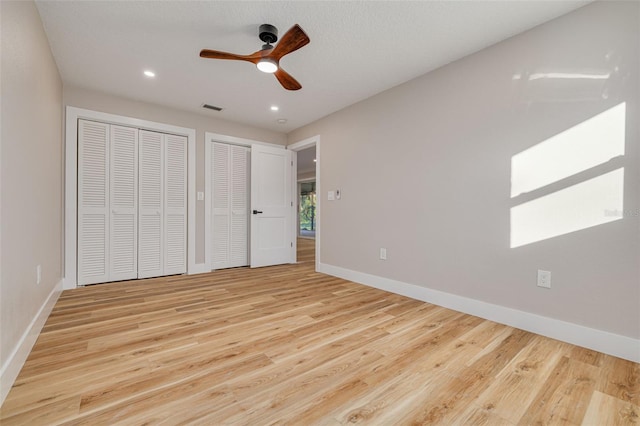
column 268, row 58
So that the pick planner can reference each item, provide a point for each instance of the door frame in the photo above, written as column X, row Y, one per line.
column 70, row 279
column 299, row 146
column 210, row 137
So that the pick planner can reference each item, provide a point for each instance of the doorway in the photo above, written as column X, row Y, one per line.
column 306, row 190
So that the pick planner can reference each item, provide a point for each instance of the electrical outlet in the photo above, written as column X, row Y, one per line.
column 383, row 254
column 38, row 274
column 544, row 278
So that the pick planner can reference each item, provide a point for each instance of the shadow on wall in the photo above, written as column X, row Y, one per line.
column 571, row 181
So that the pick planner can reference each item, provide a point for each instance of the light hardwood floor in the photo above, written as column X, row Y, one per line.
column 286, row 345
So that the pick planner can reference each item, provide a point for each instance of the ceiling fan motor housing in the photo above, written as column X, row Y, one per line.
column 268, row 33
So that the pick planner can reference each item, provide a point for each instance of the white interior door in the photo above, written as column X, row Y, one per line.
column 229, row 205
column 239, row 206
column 220, row 209
column 150, row 206
column 271, row 219
column 132, row 203
column 175, row 205
column 162, row 212
column 123, row 193
column 107, row 202
column 93, row 202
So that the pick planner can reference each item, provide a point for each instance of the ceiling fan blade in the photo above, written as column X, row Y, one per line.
column 287, row 81
column 291, row 41
column 215, row 54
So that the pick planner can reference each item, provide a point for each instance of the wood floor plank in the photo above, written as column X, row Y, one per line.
column 608, row 410
column 287, row 345
column 479, row 416
column 516, row 385
column 620, row 379
column 565, row 395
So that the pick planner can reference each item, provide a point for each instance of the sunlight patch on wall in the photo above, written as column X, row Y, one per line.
column 598, row 198
column 588, row 144
column 587, row 204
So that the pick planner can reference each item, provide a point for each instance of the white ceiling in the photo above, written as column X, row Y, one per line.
column 305, row 160
column 357, row 49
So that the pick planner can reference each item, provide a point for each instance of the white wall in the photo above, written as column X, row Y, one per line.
column 425, row 171
column 31, row 182
column 98, row 101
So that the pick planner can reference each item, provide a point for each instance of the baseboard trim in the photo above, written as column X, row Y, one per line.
column 16, row 360
column 598, row 340
column 199, row 268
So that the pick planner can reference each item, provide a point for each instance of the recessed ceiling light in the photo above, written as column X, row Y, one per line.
column 314, row 160
column 274, row 108
column 282, row 120
column 149, row 73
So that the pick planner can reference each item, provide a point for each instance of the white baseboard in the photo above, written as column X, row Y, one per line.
column 16, row 360
column 598, row 340
column 67, row 284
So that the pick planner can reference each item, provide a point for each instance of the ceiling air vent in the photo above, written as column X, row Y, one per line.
column 213, row 107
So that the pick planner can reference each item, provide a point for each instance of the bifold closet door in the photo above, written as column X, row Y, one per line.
column 162, row 211
column 107, row 202
column 123, row 193
column 150, row 206
column 175, row 204
column 230, row 205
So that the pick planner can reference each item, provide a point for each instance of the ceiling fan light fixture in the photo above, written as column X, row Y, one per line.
column 268, row 58
column 267, row 65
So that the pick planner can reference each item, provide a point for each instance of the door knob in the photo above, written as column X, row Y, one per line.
column 256, row 211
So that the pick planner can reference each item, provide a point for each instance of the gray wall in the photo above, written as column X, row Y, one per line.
column 425, row 171
column 97, row 101
column 31, row 172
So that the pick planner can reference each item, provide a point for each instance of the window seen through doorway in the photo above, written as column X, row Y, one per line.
column 307, row 209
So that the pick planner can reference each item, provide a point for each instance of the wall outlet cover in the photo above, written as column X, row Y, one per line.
column 544, row 278
column 383, row 253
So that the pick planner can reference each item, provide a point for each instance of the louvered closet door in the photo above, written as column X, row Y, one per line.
column 123, row 191
column 220, row 205
column 175, row 204
column 151, row 205
column 238, row 250
column 93, row 202
column 230, row 204
column 132, row 203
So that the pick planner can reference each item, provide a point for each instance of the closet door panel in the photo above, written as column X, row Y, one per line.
column 230, row 205
column 132, row 203
column 238, row 250
column 93, row 202
column 175, row 206
column 150, row 205
column 220, row 205
column 123, row 194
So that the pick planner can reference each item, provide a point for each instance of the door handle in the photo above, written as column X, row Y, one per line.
column 256, row 211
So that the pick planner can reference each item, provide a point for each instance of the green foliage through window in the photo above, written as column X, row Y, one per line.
column 308, row 206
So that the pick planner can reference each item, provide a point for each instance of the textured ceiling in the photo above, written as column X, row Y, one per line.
column 357, row 49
